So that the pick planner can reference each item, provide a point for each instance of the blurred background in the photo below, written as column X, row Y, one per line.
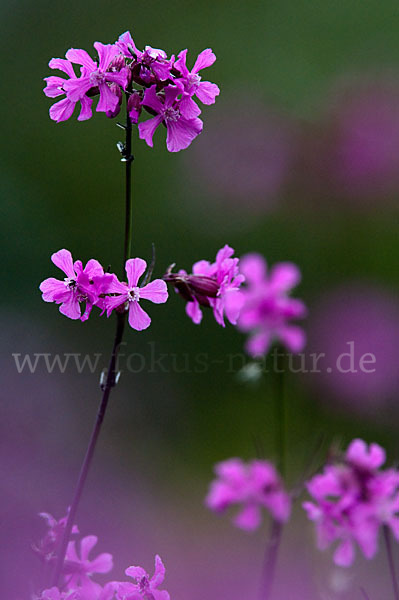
column 298, row 160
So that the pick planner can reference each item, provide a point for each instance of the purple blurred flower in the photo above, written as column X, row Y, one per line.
column 266, row 308
column 77, row 288
column 78, row 570
column 210, row 285
column 243, row 163
column 145, row 588
column 255, row 485
column 155, row 291
column 180, row 130
column 355, row 327
column 49, row 543
column 352, row 500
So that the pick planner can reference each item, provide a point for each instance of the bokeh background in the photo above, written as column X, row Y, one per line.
column 298, row 160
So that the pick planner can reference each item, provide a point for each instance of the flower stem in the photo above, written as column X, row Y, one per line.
column 111, row 373
column 270, row 561
column 364, row 594
column 279, row 407
column 388, row 545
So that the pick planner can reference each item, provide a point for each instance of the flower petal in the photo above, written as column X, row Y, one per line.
column 63, row 260
column 206, row 58
column 135, row 267
column 181, row 133
column 81, row 57
column 156, row 291
column 62, row 110
column 147, row 129
column 138, row 318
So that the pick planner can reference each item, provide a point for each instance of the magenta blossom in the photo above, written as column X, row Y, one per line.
column 130, row 294
column 191, row 82
column 352, row 499
column 97, row 76
column 266, row 308
column 47, row 546
column 180, row 130
column 210, row 285
column 77, row 287
column 145, row 588
column 78, row 570
column 63, row 110
column 255, row 485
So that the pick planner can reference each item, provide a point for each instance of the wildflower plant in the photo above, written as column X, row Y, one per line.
column 353, row 498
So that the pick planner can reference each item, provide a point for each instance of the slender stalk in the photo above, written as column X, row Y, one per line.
column 270, row 561
column 365, row 594
column 273, row 544
column 388, row 546
column 279, row 408
column 111, row 373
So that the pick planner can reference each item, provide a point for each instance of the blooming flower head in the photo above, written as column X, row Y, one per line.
column 266, row 308
column 352, row 499
column 78, row 286
column 162, row 86
column 128, row 295
column 144, row 588
column 210, row 285
column 255, row 485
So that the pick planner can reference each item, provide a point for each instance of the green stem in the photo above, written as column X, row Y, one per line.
column 111, row 373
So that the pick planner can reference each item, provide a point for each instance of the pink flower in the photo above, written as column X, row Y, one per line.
column 210, row 285
column 49, row 543
column 155, row 291
column 63, row 110
column 97, row 76
column 255, row 485
column 191, row 81
column 180, row 130
column 266, row 308
column 78, row 570
column 77, row 287
column 145, row 588
column 352, row 500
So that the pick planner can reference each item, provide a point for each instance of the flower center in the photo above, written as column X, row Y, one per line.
column 69, row 282
column 96, row 78
column 171, row 114
column 134, row 294
column 193, row 80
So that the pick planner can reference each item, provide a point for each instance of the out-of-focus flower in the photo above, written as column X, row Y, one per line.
column 355, row 328
column 180, row 130
column 353, row 498
column 210, row 285
column 78, row 286
column 78, row 570
column 353, row 152
column 145, row 588
column 255, row 485
column 47, row 546
column 266, row 307
column 243, row 164
column 155, row 291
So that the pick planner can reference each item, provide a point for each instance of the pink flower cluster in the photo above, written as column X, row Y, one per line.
column 79, row 570
column 90, row 286
column 164, row 87
column 265, row 307
column 210, row 285
column 255, row 485
column 352, row 499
